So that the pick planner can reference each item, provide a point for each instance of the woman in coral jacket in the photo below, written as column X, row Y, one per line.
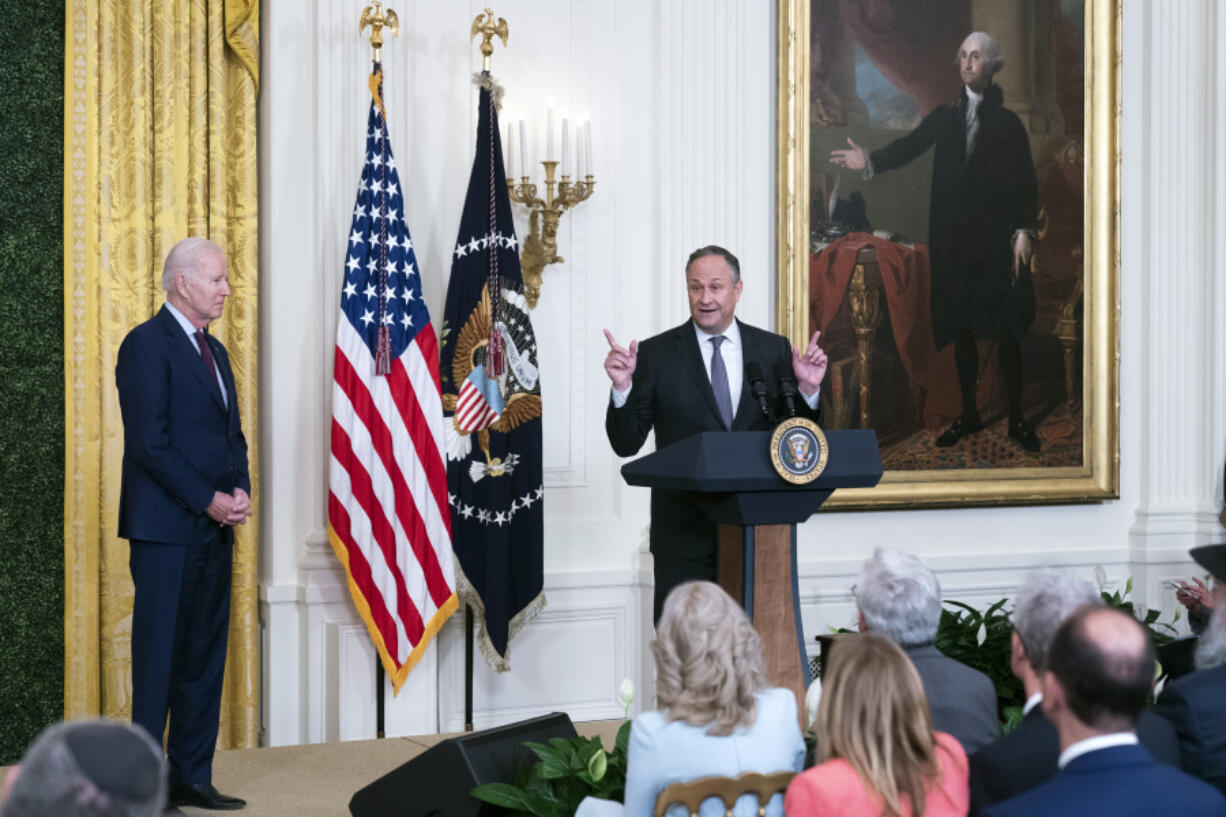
column 876, row 749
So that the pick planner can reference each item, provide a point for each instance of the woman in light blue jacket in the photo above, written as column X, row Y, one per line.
column 716, row 714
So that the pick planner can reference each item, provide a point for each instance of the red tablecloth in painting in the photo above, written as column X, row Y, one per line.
column 905, row 277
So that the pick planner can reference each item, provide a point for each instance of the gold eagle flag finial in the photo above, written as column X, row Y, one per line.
column 484, row 25
column 378, row 19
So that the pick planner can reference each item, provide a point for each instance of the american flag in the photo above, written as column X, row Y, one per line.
column 388, row 516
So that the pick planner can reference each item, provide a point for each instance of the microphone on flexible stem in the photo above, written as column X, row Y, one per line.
column 787, row 387
column 757, row 387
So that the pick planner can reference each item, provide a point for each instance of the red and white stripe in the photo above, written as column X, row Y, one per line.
column 473, row 412
column 387, row 502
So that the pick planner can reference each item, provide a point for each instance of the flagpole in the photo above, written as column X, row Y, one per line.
column 378, row 19
column 380, row 732
column 468, row 668
column 489, row 27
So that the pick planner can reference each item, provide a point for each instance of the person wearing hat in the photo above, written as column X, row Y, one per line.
column 1196, row 703
column 1195, row 594
column 88, row 769
column 1178, row 657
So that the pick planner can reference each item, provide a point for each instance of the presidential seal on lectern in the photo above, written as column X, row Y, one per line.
column 798, row 450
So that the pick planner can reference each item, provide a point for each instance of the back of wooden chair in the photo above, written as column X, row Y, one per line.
column 693, row 793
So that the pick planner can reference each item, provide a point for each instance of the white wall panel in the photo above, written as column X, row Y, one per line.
column 572, row 658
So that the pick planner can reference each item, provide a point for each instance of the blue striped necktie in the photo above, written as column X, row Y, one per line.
column 719, row 382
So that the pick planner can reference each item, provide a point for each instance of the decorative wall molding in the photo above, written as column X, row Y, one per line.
column 572, row 658
column 595, row 631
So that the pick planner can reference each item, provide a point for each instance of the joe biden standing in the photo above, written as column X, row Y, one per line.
column 185, row 487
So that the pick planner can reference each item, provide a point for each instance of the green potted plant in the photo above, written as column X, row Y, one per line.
column 566, row 771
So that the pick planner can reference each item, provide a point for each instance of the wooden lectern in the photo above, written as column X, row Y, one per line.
column 733, row 481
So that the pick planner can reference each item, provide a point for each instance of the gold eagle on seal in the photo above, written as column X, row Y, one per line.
column 522, row 401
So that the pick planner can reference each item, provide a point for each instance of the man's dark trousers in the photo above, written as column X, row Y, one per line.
column 178, row 661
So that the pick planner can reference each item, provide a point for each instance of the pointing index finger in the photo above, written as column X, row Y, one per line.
column 609, row 337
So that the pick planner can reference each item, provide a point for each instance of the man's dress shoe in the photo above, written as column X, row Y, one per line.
column 1021, row 432
column 960, row 428
column 202, row 795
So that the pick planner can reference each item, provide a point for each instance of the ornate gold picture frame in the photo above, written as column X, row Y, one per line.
column 1069, row 105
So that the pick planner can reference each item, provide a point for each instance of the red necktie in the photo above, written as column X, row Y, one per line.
column 206, row 354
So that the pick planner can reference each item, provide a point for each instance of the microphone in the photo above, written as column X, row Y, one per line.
column 757, row 387
column 787, row 387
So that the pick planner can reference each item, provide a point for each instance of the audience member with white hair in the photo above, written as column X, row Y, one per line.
column 1026, row 757
column 1195, row 704
column 898, row 596
column 88, row 769
column 716, row 714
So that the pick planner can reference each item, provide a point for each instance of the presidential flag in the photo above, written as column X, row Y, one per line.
column 492, row 396
column 388, row 519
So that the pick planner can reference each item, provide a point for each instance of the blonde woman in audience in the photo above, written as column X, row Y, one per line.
column 878, row 755
column 716, row 715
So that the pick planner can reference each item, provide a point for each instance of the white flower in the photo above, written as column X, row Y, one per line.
column 597, row 765
column 982, row 635
column 625, row 694
column 812, row 698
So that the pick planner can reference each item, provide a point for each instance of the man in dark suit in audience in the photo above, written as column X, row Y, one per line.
column 185, row 487
column 898, row 596
column 1097, row 677
column 1027, row 756
column 692, row 379
column 1196, row 703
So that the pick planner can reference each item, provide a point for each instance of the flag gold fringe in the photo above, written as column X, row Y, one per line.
column 432, row 627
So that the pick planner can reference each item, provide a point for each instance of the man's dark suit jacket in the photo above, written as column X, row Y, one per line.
column 975, row 206
column 1121, row 781
column 962, row 699
column 1027, row 756
column 181, row 442
column 672, row 393
column 1195, row 705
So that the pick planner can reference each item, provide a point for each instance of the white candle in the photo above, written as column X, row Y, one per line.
column 523, row 150
column 508, row 150
column 578, row 152
column 549, row 133
column 587, row 146
column 565, row 140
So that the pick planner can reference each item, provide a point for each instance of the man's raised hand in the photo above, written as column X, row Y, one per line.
column 810, row 367
column 620, row 362
column 853, row 158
